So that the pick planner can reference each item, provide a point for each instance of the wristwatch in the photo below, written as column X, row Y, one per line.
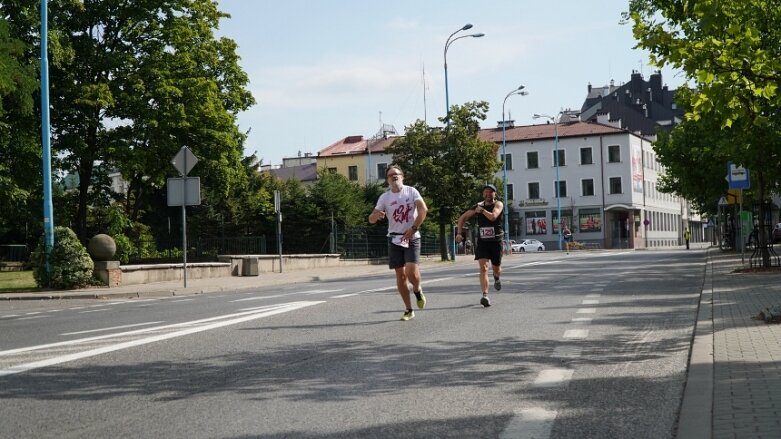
column 414, row 227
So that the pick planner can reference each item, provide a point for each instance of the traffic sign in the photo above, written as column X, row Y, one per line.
column 184, row 191
column 184, row 160
column 738, row 176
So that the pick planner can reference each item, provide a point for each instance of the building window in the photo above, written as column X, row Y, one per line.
column 587, row 187
column 352, row 172
column 382, row 169
column 532, row 161
column 332, row 170
column 562, row 192
column 614, row 154
column 585, row 156
column 590, row 220
column 536, row 223
column 508, row 160
column 562, row 158
column 615, row 185
column 534, row 191
column 510, row 194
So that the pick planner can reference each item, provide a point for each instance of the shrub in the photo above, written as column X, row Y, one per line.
column 124, row 248
column 70, row 264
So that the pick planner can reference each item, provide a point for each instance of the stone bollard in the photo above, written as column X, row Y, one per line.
column 102, row 248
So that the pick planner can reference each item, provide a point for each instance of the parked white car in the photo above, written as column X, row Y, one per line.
column 528, row 245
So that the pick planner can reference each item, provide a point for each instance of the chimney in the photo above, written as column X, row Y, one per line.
column 589, row 88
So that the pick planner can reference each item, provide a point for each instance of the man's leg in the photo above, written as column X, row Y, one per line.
column 403, row 287
column 483, row 275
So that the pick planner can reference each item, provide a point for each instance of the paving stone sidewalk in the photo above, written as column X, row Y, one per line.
column 746, row 353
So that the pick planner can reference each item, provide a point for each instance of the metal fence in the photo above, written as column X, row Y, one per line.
column 370, row 243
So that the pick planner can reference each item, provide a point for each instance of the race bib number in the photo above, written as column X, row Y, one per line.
column 487, row 233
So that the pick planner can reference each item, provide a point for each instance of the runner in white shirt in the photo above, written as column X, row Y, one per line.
column 405, row 210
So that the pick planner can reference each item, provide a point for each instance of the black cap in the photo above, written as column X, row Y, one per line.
column 490, row 186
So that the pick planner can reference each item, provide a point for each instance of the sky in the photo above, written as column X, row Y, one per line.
column 323, row 70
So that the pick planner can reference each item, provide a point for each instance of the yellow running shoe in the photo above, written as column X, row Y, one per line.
column 408, row 315
column 421, row 298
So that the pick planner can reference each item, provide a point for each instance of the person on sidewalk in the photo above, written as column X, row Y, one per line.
column 489, row 242
column 687, row 235
column 405, row 210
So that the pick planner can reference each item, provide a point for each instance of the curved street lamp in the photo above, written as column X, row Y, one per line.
column 451, row 40
column 505, row 212
column 555, row 120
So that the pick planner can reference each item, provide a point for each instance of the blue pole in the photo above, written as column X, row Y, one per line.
column 48, row 209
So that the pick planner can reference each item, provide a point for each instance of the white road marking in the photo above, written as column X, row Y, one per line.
column 551, row 377
column 232, row 320
column 8, row 316
column 590, row 302
column 578, row 334
column 111, row 328
column 530, row 423
column 344, row 295
column 259, row 298
column 54, row 310
column 582, row 320
column 76, row 307
column 31, row 317
column 321, row 291
column 33, row 313
column 586, row 311
column 93, row 310
column 593, row 296
column 181, row 300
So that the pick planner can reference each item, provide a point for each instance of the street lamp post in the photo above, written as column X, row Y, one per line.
column 555, row 120
column 48, row 208
column 451, row 40
column 505, row 212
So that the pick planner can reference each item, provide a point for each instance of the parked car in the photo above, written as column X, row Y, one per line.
column 776, row 235
column 529, row 245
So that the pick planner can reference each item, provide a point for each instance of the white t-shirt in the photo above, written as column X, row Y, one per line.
column 400, row 209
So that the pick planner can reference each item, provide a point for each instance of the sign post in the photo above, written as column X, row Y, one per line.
column 278, row 211
column 184, row 192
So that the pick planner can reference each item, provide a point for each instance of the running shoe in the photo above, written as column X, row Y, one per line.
column 421, row 298
column 485, row 302
column 408, row 315
column 497, row 283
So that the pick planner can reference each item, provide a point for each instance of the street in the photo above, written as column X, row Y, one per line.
column 585, row 345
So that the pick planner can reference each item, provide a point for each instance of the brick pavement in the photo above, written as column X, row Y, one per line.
column 746, row 352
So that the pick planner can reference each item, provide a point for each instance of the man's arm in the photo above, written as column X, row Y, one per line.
column 492, row 216
column 376, row 215
column 464, row 216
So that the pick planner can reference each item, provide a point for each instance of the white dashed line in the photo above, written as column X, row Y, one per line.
column 590, row 302
column 93, row 310
column 582, row 320
column 530, row 423
column 593, row 296
column 31, row 317
column 553, row 377
column 8, row 316
column 586, row 311
column 344, row 295
column 181, row 300
column 578, row 334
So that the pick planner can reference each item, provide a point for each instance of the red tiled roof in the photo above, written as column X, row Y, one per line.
column 546, row 131
column 355, row 145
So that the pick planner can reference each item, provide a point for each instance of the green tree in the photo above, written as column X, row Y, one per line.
column 131, row 83
column 20, row 157
column 731, row 51
column 448, row 165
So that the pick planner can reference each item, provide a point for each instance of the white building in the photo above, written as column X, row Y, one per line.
column 608, row 184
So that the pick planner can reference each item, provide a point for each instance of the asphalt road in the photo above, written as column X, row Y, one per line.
column 586, row 345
